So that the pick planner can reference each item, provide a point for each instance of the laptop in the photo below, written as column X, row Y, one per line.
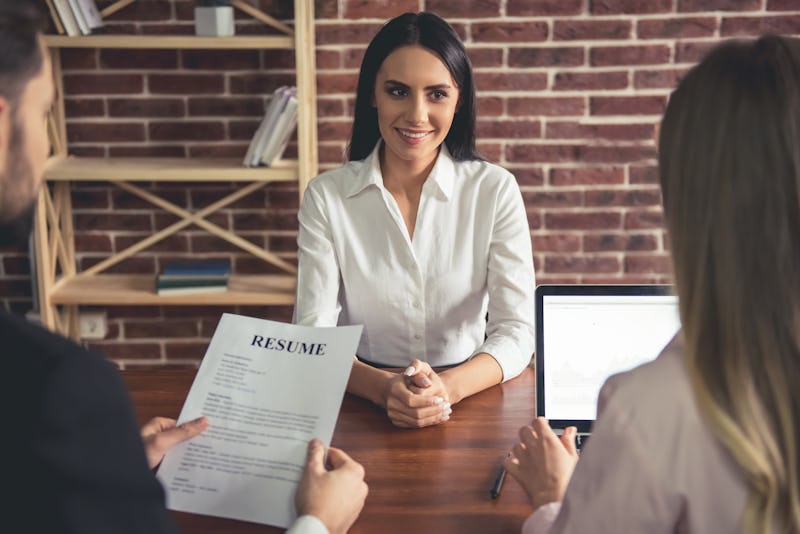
column 586, row 333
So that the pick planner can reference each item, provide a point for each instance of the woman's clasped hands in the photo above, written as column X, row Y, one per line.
column 417, row 397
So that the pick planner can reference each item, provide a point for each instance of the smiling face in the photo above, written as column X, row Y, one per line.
column 416, row 98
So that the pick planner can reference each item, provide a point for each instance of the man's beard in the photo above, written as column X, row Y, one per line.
column 16, row 228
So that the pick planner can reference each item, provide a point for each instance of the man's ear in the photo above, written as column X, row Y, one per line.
column 5, row 129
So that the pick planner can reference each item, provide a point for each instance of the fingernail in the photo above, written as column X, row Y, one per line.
column 438, row 400
column 448, row 411
column 409, row 370
column 445, row 418
column 445, row 406
column 426, row 381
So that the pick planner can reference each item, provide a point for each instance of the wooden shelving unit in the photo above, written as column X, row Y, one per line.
column 62, row 288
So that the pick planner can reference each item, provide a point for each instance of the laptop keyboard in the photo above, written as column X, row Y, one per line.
column 581, row 440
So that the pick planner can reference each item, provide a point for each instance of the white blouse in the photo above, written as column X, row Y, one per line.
column 424, row 298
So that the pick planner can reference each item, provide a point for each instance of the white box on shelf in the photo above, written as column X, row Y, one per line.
column 214, row 21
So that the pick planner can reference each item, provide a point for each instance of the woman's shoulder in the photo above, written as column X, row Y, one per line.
column 486, row 175
column 336, row 180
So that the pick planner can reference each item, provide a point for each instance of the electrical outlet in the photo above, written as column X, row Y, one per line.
column 93, row 325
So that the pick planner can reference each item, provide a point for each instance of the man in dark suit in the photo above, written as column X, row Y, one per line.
column 75, row 459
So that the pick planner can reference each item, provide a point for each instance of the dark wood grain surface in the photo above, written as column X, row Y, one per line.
column 433, row 480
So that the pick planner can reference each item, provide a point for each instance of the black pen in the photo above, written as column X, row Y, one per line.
column 498, row 483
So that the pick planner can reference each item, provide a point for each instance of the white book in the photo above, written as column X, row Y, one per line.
column 279, row 136
column 83, row 25
column 267, row 388
column 261, row 136
column 67, row 17
column 91, row 14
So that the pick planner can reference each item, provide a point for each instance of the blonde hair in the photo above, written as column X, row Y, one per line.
column 730, row 177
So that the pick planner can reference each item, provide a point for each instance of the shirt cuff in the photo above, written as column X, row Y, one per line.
column 307, row 524
column 540, row 521
column 508, row 356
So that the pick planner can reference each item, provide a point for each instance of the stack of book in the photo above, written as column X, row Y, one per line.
column 75, row 17
column 193, row 277
column 275, row 129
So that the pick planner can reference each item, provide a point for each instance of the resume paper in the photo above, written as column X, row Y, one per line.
column 267, row 388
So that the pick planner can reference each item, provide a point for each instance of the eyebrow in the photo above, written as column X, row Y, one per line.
column 428, row 88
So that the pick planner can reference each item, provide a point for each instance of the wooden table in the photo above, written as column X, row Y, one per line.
column 433, row 480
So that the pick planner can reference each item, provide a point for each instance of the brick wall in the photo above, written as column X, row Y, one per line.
column 569, row 96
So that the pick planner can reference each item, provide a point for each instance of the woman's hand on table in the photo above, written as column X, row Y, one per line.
column 417, row 397
column 160, row 434
column 542, row 462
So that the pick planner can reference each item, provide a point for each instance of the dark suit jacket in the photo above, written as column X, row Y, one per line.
column 73, row 454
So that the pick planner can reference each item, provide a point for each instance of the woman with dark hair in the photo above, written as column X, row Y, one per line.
column 417, row 237
column 706, row 438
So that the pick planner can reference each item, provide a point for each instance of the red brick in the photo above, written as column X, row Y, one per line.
column 543, row 8
column 349, row 33
column 534, row 220
column 556, row 243
column 105, row 132
column 627, row 105
column 133, row 265
column 565, row 30
column 282, row 243
column 330, row 108
column 592, row 132
column 78, row 59
column 586, row 176
column 485, row 57
column 144, row 10
column 508, row 32
column 173, row 243
column 273, row 313
column 352, row 57
column 546, row 106
column 16, row 265
column 541, row 153
column 224, row 60
column 644, row 175
column 755, row 26
column 186, row 131
column 138, row 59
column 554, row 279
column 226, row 106
column 84, row 107
column 114, row 221
column 15, row 288
column 159, row 151
column 644, row 219
column 616, row 154
column 627, row 7
column 161, row 329
column 507, row 129
column 325, row 59
column 334, row 131
column 718, row 5
column 581, row 264
column 336, row 83
column 691, row 52
column 186, row 84
column 623, row 278
column 584, row 220
column 783, row 5
column 658, row 79
column 511, row 81
column 102, row 84
column 605, row 56
column 627, row 197
column 619, row 242
column 490, row 106
column 258, row 84
column 242, row 130
column 545, row 57
column 87, row 151
column 219, row 150
column 648, row 264
column 128, row 350
column 553, row 199
column 588, row 81
column 92, row 242
column 676, row 28
column 528, row 176
column 265, row 220
column 146, row 107
column 450, row 8
column 90, row 198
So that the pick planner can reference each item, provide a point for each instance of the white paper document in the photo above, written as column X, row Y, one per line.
column 267, row 388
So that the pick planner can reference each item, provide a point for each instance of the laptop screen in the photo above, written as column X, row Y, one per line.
column 587, row 333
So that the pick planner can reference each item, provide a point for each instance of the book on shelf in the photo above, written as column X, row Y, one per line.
column 75, row 17
column 275, row 128
column 51, row 6
column 193, row 277
column 67, row 17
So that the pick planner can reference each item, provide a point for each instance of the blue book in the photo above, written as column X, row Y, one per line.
column 200, row 269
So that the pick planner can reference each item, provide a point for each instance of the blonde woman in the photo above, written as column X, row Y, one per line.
column 705, row 438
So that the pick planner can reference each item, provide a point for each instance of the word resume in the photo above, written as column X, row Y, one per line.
column 267, row 388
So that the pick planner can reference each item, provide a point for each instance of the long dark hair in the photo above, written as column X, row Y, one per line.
column 20, row 52
column 730, row 176
column 432, row 32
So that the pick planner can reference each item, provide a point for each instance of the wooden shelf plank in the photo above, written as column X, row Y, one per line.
column 124, row 289
column 181, row 42
column 166, row 169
